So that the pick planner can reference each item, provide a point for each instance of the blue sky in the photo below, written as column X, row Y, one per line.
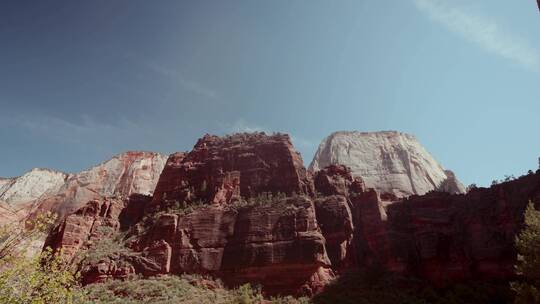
column 83, row 80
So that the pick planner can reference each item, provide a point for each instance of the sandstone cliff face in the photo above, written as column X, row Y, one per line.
column 237, row 240
column 235, row 207
column 8, row 214
column 219, row 170
column 30, row 186
column 4, row 181
column 87, row 225
column 125, row 174
column 390, row 162
column 212, row 214
column 42, row 190
column 98, row 220
column 256, row 243
column 18, row 194
column 438, row 236
column 446, row 237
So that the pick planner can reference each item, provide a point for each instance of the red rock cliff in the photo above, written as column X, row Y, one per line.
column 212, row 214
column 218, row 170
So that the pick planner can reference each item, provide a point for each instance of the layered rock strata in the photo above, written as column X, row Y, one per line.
column 242, row 208
column 389, row 161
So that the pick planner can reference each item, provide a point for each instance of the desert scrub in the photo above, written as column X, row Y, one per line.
column 38, row 279
column 267, row 199
column 44, row 278
column 112, row 247
column 174, row 289
column 15, row 240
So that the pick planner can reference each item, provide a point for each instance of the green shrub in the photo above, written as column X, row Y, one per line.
column 174, row 289
column 528, row 267
column 42, row 279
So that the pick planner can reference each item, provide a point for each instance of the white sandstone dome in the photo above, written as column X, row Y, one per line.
column 31, row 185
column 389, row 161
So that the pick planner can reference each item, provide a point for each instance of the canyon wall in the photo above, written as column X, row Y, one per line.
column 243, row 208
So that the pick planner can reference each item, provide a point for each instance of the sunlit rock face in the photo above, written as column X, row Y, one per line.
column 17, row 195
column 30, row 186
column 42, row 190
column 316, row 226
column 220, row 169
column 389, row 161
column 276, row 241
column 3, row 182
column 123, row 175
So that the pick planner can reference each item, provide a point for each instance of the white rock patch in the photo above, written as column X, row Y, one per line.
column 389, row 161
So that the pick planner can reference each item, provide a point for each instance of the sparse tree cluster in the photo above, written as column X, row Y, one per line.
column 39, row 279
column 527, row 289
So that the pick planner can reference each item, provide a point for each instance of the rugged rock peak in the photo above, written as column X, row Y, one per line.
column 297, row 243
column 220, row 169
column 388, row 161
column 337, row 180
column 30, row 186
column 123, row 175
column 451, row 184
column 4, row 181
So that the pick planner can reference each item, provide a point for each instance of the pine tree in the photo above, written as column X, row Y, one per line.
column 528, row 267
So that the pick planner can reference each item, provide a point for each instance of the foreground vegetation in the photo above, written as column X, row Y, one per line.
column 39, row 279
column 45, row 278
column 174, row 289
column 528, row 268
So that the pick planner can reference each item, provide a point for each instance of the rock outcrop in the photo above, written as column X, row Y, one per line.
column 17, row 195
column 219, row 170
column 4, row 181
column 236, row 207
column 447, row 238
column 96, row 220
column 123, row 175
column 390, row 162
column 438, row 236
column 242, row 208
column 42, row 190
column 31, row 186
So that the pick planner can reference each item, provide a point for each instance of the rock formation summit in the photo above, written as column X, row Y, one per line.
column 244, row 209
column 31, row 185
column 42, row 190
column 388, row 161
column 125, row 174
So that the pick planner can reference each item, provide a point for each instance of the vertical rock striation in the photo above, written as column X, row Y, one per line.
column 389, row 161
column 123, row 175
column 244, row 209
column 219, row 170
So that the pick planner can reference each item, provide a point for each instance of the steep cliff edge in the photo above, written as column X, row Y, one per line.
column 242, row 208
column 388, row 161
column 236, row 207
column 125, row 174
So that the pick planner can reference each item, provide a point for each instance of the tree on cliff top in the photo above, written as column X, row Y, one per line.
column 528, row 265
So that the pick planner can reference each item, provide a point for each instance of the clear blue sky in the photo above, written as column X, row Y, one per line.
column 83, row 80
